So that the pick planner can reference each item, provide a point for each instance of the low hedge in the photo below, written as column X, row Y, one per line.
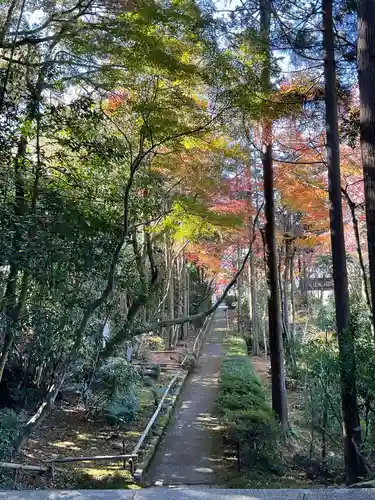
column 247, row 420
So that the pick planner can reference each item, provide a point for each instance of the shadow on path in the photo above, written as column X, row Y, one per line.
column 186, row 455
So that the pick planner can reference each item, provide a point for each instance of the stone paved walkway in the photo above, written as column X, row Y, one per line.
column 186, row 454
column 192, row 494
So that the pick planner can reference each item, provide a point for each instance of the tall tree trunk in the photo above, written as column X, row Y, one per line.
column 253, row 308
column 171, row 294
column 285, row 304
column 286, row 290
column 323, row 447
column 352, row 207
column 275, row 332
column 252, row 298
column 281, row 290
column 366, row 77
column 186, row 300
column 292, row 294
column 262, row 232
column 305, row 287
column 181, row 291
column 239, row 291
column 283, row 287
column 355, row 468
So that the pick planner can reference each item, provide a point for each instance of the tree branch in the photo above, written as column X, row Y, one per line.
column 203, row 314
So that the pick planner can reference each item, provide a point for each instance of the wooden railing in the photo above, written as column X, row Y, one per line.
column 201, row 334
column 31, row 468
column 152, row 420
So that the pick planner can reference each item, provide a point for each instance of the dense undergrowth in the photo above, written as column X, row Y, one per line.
column 311, row 452
column 315, row 381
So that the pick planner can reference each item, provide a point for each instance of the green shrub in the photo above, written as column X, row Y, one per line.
column 123, row 409
column 156, row 343
column 237, row 402
column 318, row 376
column 10, row 427
column 113, row 391
column 235, row 346
column 11, row 424
column 152, row 371
column 248, row 423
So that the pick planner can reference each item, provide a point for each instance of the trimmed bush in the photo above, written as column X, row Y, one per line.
column 249, row 426
column 235, row 346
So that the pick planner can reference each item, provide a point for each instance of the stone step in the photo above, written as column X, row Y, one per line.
column 192, row 493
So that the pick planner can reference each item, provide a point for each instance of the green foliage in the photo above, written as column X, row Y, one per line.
column 192, row 219
column 113, row 392
column 156, row 343
column 10, row 427
column 115, row 377
column 318, row 371
column 125, row 137
column 326, row 317
column 123, row 408
column 247, row 419
column 235, row 345
column 152, row 371
column 10, row 430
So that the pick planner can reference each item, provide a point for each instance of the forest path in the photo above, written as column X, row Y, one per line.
column 187, row 455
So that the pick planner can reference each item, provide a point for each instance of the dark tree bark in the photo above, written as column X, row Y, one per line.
column 251, row 275
column 355, row 468
column 239, row 292
column 292, row 294
column 275, row 331
column 366, row 78
column 254, row 317
column 286, row 289
column 352, row 207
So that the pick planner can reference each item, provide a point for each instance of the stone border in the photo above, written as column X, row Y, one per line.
column 143, row 465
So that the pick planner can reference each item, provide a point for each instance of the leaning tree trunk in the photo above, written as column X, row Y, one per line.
column 355, row 468
column 275, row 331
column 366, row 78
